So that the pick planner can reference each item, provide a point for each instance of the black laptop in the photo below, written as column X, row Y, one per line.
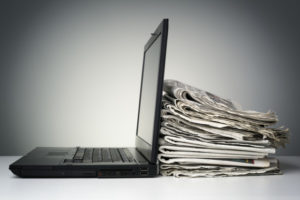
column 139, row 161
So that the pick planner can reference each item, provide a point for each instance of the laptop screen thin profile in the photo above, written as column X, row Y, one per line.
column 148, row 123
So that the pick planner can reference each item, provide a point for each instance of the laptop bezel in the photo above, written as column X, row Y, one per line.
column 147, row 150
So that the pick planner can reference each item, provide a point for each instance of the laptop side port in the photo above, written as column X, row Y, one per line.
column 144, row 173
column 144, row 168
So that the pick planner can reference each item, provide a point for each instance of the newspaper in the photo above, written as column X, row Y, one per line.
column 203, row 135
column 217, row 171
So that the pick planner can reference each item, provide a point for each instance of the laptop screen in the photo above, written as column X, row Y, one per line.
column 149, row 91
column 148, row 123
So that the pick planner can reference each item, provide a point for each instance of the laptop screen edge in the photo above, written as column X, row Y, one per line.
column 147, row 150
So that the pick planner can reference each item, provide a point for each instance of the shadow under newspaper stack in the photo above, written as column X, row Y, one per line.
column 203, row 135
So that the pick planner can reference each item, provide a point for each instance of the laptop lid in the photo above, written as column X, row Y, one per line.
column 148, row 123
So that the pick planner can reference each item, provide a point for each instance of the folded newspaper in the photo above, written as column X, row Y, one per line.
column 203, row 135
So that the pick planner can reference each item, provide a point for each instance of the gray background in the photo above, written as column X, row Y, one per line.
column 70, row 71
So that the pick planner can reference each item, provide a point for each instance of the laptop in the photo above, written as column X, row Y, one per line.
column 138, row 161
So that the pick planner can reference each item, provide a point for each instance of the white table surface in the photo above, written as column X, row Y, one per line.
column 286, row 186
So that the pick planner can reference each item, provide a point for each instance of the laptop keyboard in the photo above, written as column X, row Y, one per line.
column 94, row 155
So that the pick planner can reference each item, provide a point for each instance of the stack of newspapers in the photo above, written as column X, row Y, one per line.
column 203, row 135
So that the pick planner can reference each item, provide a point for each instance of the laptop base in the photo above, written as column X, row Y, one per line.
column 49, row 162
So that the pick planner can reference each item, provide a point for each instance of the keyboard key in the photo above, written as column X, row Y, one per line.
column 106, row 157
column 123, row 155
column 79, row 155
column 97, row 156
column 87, row 158
column 129, row 155
column 115, row 155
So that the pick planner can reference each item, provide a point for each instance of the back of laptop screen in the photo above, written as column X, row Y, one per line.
column 145, row 128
